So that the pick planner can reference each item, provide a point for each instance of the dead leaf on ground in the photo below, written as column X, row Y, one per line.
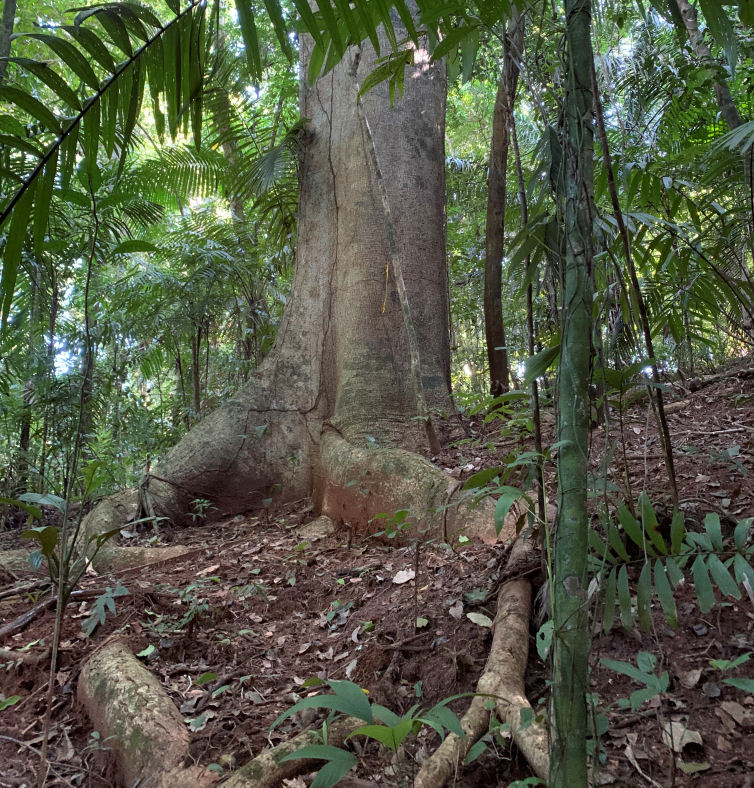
column 690, row 678
column 676, row 735
column 404, row 576
column 480, row 619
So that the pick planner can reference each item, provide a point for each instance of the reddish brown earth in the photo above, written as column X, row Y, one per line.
column 272, row 608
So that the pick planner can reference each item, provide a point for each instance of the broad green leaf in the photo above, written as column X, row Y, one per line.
column 70, row 55
column 384, row 714
column 171, row 50
column 616, row 543
column 704, row 592
column 392, row 737
column 746, row 12
column 627, row 669
column 747, row 685
column 205, row 678
column 599, row 547
column 722, row 30
column 713, row 529
column 482, row 478
column 42, row 201
column 46, row 535
column 475, row 751
column 6, row 703
column 30, row 105
column 633, row 530
column 91, row 130
column 445, row 717
column 250, row 37
column 743, row 569
column 308, row 19
column 646, row 661
column 332, row 772
column 644, row 597
column 469, row 48
column 722, row 578
column 68, row 149
column 665, row 595
column 544, row 639
column 355, row 697
column 317, row 702
column 538, row 364
column 32, row 510
column 278, row 23
column 624, row 599
column 649, row 522
column 196, row 73
column 110, row 105
column 133, row 246
column 608, row 610
column 700, row 540
column 677, row 531
column 88, row 40
column 134, row 105
column 741, row 532
column 45, row 73
column 508, row 496
column 451, row 41
column 12, row 256
column 641, row 696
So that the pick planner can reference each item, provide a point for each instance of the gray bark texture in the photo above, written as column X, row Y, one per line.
column 337, row 390
column 725, row 102
column 6, row 32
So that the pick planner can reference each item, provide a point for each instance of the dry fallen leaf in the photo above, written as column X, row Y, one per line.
column 677, row 736
column 742, row 716
column 404, row 576
column 690, row 678
column 480, row 619
column 456, row 610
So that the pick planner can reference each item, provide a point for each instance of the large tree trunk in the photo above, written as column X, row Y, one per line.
column 333, row 410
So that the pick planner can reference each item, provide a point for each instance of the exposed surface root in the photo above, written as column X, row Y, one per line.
column 503, row 679
column 126, row 702
column 16, row 564
column 112, row 513
column 359, row 483
column 267, row 771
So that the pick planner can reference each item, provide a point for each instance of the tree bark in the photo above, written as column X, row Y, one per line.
column 333, row 410
column 497, row 181
column 6, row 32
column 725, row 102
column 571, row 635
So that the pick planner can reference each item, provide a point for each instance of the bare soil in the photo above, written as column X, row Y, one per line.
column 234, row 628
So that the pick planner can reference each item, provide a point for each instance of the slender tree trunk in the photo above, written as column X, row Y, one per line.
column 6, row 31
column 196, row 369
column 725, row 103
column 530, row 331
column 50, row 374
column 569, row 593
column 497, row 352
column 656, row 396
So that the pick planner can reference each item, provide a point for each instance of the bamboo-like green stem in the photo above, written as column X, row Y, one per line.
column 569, row 594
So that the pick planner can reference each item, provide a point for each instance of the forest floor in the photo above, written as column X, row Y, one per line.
column 262, row 603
